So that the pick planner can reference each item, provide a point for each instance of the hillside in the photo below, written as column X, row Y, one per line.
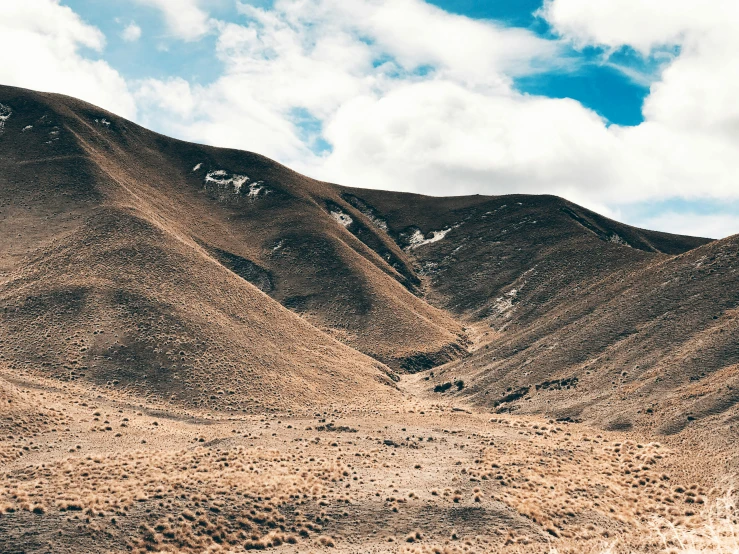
column 651, row 345
column 204, row 351
column 168, row 267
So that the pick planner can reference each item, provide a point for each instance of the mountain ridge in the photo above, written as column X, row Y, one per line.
column 386, row 282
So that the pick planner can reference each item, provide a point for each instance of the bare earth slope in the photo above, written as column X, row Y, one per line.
column 653, row 345
column 204, row 351
column 574, row 315
column 103, row 282
column 163, row 240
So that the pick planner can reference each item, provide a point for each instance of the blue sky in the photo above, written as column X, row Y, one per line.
column 156, row 53
column 624, row 108
column 596, row 84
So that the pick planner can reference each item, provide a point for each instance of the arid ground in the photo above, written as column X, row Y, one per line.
column 204, row 351
column 84, row 472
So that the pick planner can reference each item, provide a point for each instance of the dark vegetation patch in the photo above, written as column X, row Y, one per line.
column 330, row 427
column 558, row 384
column 512, row 396
column 429, row 360
column 443, row 387
column 246, row 269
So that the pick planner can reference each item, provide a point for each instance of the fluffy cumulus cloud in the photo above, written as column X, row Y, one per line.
column 696, row 92
column 410, row 97
column 413, row 98
column 440, row 137
column 131, row 33
column 641, row 24
column 41, row 44
column 328, row 58
column 185, row 18
column 686, row 146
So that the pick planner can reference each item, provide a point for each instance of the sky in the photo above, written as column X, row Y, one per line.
column 627, row 107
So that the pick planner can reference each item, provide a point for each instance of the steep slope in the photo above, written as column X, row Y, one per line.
column 483, row 256
column 103, row 280
column 274, row 228
column 652, row 345
column 122, row 302
column 572, row 314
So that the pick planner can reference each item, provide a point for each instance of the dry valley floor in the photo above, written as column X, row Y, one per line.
column 84, row 472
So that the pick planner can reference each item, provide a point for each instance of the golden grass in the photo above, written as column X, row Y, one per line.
column 250, row 483
column 208, row 499
column 718, row 533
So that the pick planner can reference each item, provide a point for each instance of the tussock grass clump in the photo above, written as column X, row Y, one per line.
column 558, row 488
column 22, row 415
column 210, row 500
column 719, row 531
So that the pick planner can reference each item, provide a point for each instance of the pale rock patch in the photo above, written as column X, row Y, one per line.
column 616, row 239
column 5, row 113
column 342, row 218
column 417, row 239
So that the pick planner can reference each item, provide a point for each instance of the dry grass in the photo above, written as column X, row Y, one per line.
column 203, row 499
column 587, row 487
column 420, row 478
column 718, row 533
column 23, row 417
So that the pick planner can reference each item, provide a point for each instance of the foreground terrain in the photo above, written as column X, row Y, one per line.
column 83, row 473
column 204, row 351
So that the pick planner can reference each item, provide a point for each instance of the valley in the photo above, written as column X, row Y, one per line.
column 417, row 476
column 202, row 350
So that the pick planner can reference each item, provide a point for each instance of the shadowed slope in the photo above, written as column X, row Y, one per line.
column 474, row 251
column 121, row 302
column 573, row 314
column 246, row 210
column 653, row 345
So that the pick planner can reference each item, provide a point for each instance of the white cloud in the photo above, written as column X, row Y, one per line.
column 224, row 114
column 688, row 142
column 441, row 138
column 413, row 98
column 131, row 33
column 715, row 226
column 697, row 91
column 40, row 44
column 641, row 24
column 184, row 18
column 319, row 55
column 418, row 34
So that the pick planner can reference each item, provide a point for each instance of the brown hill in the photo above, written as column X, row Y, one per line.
column 575, row 315
column 111, row 274
column 652, row 344
column 223, row 279
column 122, row 302
column 271, row 226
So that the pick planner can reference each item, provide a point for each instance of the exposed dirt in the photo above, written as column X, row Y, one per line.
column 204, row 351
column 104, row 476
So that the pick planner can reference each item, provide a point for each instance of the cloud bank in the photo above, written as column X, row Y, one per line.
column 399, row 94
column 41, row 46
